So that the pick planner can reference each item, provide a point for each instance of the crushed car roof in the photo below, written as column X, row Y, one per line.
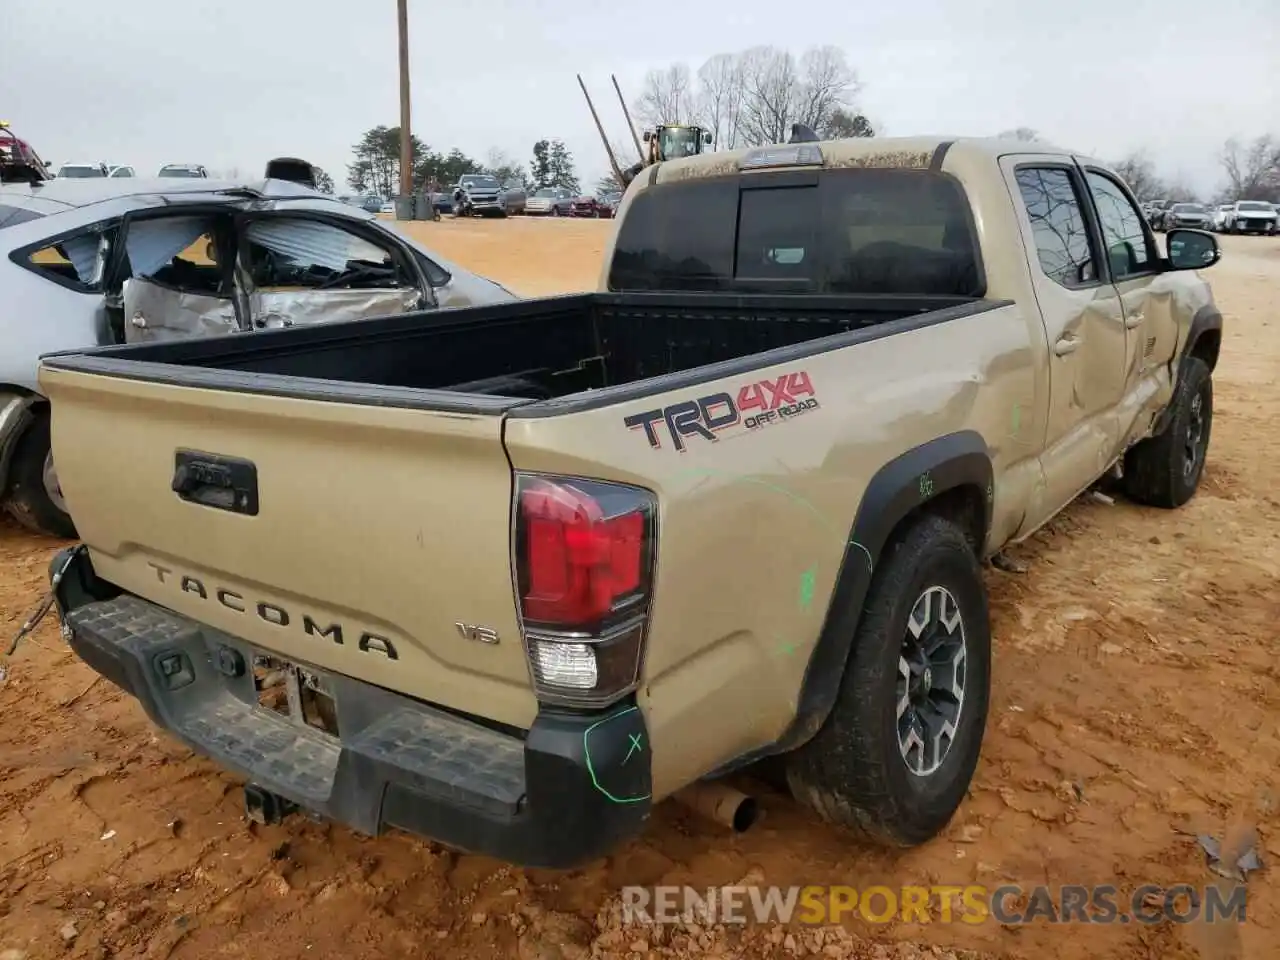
column 84, row 192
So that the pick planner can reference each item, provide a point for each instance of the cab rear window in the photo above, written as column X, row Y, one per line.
column 865, row 231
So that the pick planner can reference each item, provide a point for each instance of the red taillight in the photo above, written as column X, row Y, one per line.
column 583, row 550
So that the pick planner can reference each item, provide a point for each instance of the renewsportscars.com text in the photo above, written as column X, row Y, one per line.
column 973, row 904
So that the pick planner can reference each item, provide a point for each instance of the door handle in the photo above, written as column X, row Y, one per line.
column 1133, row 320
column 211, row 480
column 1068, row 344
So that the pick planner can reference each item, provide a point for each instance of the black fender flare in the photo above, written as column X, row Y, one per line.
column 1207, row 320
column 897, row 489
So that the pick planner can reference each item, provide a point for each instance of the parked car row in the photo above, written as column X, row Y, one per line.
column 89, row 171
column 560, row 202
column 1242, row 216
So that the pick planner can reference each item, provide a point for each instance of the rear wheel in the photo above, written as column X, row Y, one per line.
column 899, row 748
column 555, row 211
column 35, row 498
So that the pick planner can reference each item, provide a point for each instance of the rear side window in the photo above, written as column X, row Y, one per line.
column 75, row 261
column 1053, row 205
column 843, row 231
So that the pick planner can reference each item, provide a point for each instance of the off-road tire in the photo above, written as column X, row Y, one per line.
column 26, row 500
column 1155, row 471
column 853, row 772
column 555, row 211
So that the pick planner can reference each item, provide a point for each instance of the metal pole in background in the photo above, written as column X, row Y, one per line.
column 406, row 138
column 627, row 113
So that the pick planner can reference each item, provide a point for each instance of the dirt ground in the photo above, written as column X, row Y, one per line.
column 1135, row 704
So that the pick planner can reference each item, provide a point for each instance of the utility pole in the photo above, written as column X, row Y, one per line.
column 406, row 137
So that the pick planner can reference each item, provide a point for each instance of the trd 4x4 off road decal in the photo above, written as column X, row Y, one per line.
column 754, row 405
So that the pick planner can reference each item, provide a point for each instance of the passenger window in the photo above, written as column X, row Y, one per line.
column 1128, row 249
column 303, row 254
column 776, row 228
column 1057, row 222
column 77, row 261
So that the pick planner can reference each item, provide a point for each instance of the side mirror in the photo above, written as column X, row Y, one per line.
column 1192, row 249
column 706, row 138
column 648, row 135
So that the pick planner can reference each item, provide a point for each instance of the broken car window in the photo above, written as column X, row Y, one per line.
column 153, row 244
column 312, row 254
column 75, row 261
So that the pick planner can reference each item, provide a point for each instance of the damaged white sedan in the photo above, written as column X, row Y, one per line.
column 109, row 261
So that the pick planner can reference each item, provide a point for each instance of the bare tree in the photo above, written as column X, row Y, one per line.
column 1139, row 172
column 719, row 98
column 827, row 85
column 666, row 97
column 1253, row 170
column 754, row 97
column 1179, row 191
column 769, row 79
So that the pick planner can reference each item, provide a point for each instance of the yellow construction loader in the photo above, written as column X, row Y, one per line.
column 667, row 141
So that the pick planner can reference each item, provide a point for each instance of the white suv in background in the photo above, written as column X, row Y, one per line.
column 183, row 170
column 1250, row 216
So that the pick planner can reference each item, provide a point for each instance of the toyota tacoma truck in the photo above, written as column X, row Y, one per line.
column 505, row 576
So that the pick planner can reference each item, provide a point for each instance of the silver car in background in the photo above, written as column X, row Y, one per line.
column 550, row 201
column 89, row 262
column 1193, row 215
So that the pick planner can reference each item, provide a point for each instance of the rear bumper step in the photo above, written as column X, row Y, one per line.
column 574, row 787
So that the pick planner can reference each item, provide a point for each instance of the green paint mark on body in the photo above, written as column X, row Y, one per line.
column 635, row 745
column 591, row 770
column 807, row 580
column 1016, row 421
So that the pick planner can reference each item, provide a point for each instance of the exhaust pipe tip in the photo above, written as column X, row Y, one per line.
column 744, row 817
column 726, row 806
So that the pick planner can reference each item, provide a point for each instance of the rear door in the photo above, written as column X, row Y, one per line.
column 299, row 267
column 173, row 275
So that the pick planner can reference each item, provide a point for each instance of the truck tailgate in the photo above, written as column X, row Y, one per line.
column 378, row 537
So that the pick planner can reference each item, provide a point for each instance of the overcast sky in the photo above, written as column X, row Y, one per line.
column 233, row 83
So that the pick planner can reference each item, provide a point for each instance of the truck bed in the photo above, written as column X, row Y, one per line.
column 488, row 359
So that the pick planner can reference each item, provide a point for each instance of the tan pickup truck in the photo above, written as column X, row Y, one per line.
column 505, row 576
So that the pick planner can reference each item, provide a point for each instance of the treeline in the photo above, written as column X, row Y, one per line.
column 375, row 165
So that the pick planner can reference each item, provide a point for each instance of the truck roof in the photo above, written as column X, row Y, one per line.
column 865, row 151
